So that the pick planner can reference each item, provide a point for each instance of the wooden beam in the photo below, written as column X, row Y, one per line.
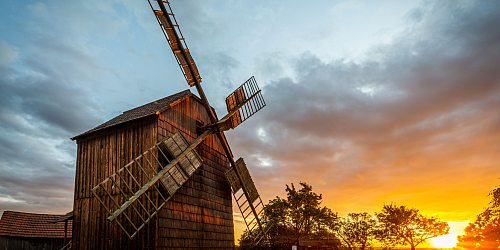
column 160, row 174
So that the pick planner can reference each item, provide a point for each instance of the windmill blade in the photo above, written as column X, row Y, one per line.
column 244, row 102
column 166, row 19
column 186, row 166
column 135, row 193
column 246, row 179
column 247, row 198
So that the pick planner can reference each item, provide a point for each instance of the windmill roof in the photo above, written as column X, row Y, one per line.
column 21, row 224
column 140, row 112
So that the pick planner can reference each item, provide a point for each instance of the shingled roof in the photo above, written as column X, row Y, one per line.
column 32, row 225
column 140, row 112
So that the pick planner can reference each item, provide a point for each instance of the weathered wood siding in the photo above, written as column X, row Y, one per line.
column 199, row 215
column 16, row 243
column 99, row 156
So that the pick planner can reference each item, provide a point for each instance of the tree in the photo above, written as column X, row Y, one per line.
column 484, row 233
column 304, row 211
column 299, row 216
column 357, row 230
column 277, row 212
column 402, row 225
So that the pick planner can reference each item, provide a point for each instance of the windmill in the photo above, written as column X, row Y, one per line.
column 134, row 194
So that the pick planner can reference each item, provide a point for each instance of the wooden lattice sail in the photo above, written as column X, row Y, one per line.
column 130, row 194
column 245, row 101
column 244, row 202
column 177, row 43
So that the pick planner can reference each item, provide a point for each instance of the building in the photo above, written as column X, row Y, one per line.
column 34, row 231
column 199, row 215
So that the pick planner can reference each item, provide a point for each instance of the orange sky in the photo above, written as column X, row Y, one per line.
column 416, row 123
column 370, row 102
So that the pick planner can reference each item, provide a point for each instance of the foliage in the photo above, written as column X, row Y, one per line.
column 304, row 212
column 484, row 233
column 402, row 225
column 299, row 216
column 357, row 230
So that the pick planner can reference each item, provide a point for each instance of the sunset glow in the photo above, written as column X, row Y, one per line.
column 450, row 240
column 446, row 241
column 369, row 102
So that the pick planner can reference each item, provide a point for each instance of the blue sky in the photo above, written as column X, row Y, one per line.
column 370, row 102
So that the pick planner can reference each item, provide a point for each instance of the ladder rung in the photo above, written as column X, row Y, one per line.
column 245, row 210
column 243, row 203
column 258, row 204
column 250, row 213
column 252, row 220
column 240, row 196
column 159, row 12
column 253, row 227
column 243, row 213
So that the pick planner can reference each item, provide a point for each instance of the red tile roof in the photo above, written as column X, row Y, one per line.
column 32, row 225
column 140, row 112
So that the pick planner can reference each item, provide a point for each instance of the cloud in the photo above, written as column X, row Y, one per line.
column 8, row 54
column 43, row 102
column 417, row 119
column 413, row 122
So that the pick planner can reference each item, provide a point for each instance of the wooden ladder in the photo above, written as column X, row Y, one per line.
column 249, row 218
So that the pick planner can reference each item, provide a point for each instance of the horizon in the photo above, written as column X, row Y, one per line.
column 371, row 103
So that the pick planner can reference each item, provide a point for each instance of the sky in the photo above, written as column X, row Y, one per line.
column 370, row 102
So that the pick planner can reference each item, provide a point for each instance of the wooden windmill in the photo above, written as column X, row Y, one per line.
column 134, row 194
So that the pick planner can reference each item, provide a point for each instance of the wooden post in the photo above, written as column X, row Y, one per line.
column 65, row 231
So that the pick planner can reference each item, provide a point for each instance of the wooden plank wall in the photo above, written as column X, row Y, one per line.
column 9, row 242
column 99, row 156
column 199, row 215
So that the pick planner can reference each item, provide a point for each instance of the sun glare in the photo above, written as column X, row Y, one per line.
column 445, row 241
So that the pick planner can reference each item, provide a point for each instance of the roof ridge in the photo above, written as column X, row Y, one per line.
column 159, row 100
column 29, row 213
column 145, row 110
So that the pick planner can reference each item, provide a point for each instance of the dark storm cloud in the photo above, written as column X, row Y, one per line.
column 35, row 126
column 32, row 172
column 42, row 104
column 416, row 108
column 47, row 101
